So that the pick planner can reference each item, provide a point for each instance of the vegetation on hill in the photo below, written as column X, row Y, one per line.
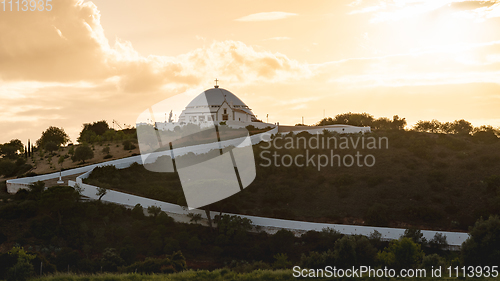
column 18, row 160
column 431, row 181
column 425, row 179
column 55, row 228
column 220, row 275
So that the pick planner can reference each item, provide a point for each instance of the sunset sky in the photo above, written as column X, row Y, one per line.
column 86, row 61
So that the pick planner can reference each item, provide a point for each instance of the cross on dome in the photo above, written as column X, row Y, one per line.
column 216, row 80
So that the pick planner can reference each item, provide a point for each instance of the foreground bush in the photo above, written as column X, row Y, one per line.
column 216, row 275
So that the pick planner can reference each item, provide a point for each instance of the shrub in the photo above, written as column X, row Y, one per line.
column 51, row 146
column 377, row 214
column 281, row 261
column 128, row 145
column 82, row 153
column 106, row 150
column 402, row 253
column 483, row 245
column 433, row 261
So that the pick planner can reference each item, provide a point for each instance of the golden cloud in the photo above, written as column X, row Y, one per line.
column 68, row 45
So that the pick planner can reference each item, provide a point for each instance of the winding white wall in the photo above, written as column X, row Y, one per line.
column 453, row 238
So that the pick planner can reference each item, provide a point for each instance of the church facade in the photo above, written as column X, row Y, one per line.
column 216, row 105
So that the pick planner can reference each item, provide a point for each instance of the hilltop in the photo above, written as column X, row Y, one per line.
column 423, row 180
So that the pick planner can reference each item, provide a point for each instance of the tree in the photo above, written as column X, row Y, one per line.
column 101, row 191
column 398, row 123
column 366, row 253
column 51, row 146
column 355, row 119
column 415, row 235
column 235, row 228
column 402, row 253
column 486, row 134
column 281, row 261
column 433, row 126
column 462, row 127
column 60, row 161
column 53, row 134
column 483, row 245
column 87, row 137
column 82, row 153
column 382, row 123
column 193, row 217
column 128, row 145
column 154, row 210
column 345, row 251
column 23, row 269
column 11, row 149
column 59, row 199
column 111, row 259
column 90, row 131
column 438, row 243
column 106, row 150
column 138, row 211
column 36, row 189
column 71, row 150
column 99, row 127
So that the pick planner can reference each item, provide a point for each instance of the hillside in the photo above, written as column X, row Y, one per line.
column 428, row 181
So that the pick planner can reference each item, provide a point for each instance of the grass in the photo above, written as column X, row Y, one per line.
column 221, row 274
column 216, row 275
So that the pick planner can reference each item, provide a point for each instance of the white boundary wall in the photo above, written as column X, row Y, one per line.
column 454, row 239
column 233, row 124
column 129, row 200
column 341, row 129
column 15, row 184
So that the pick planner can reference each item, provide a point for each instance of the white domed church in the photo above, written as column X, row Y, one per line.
column 216, row 105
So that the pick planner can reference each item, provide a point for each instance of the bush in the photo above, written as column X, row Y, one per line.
column 402, row 253
column 106, row 150
column 317, row 260
column 377, row 214
column 51, row 146
column 483, row 245
column 128, row 145
column 82, row 153
column 138, row 211
column 433, row 261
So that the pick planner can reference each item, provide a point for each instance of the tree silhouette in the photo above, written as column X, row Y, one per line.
column 82, row 153
column 59, row 199
column 101, row 191
column 483, row 245
column 11, row 149
column 53, row 134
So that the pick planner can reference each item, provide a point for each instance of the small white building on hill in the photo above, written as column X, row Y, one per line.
column 216, row 105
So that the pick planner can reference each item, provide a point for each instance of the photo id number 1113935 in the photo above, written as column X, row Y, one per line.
column 26, row 5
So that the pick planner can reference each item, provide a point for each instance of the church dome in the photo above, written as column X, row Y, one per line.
column 216, row 104
column 215, row 96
